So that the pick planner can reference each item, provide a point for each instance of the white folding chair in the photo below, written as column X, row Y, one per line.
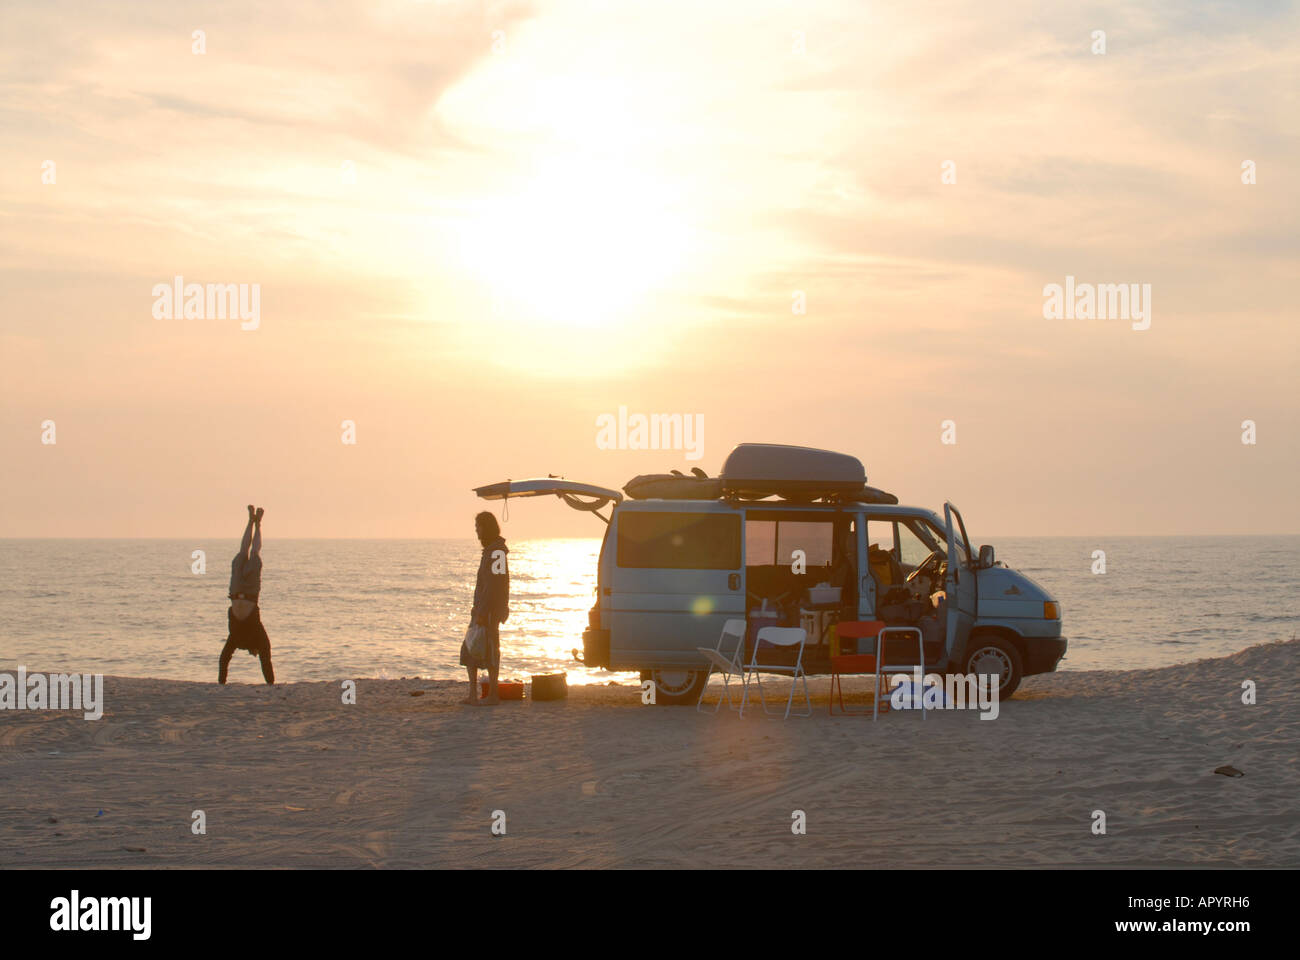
column 728, row 659
column 882, row 667
column 778, row 637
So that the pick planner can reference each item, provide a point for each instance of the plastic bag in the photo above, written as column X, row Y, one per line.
column 476, row 642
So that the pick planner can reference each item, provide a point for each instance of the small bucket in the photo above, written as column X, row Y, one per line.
column 550, row 686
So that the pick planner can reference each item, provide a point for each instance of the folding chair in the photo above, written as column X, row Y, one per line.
column 845, row 664
column 778, row 637
column 882, row 667
column 728, row 662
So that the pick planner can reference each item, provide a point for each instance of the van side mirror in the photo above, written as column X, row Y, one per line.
column 986, row 556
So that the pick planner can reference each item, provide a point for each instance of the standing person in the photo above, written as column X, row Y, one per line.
column 244, row 617
column 491, row 605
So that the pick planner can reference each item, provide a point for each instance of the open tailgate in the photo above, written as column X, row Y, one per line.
column 580, row 496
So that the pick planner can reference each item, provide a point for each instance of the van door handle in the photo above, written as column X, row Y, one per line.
column 733, row 581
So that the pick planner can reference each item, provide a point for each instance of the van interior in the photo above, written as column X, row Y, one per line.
column 787, row 554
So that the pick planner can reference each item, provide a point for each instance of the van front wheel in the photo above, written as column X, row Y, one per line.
column 998, row 657
column 678, row 688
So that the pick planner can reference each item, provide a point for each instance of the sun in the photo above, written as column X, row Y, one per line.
column 581, row 242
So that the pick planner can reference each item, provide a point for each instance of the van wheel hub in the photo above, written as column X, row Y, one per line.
column 677, row 688
column 674, row 682
column 991, row 660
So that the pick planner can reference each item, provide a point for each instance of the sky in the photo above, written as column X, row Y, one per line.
column 477, row 228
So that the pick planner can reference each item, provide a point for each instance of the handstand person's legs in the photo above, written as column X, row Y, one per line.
column 257, row 532
column 248, row 535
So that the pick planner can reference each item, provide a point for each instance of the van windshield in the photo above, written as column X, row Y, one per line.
column 932, row 532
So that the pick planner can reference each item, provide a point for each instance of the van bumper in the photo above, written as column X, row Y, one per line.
column 1043, row 654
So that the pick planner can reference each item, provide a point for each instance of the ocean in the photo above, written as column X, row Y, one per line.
column 338, row 609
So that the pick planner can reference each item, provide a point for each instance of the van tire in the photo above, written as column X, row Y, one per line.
column 996, row 650
column 678, row 688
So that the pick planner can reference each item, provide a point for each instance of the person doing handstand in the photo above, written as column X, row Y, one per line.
column 244, row 617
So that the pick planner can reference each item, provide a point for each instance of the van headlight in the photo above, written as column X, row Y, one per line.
column 1051, row 610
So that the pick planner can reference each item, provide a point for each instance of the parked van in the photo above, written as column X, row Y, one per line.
column 756, row 544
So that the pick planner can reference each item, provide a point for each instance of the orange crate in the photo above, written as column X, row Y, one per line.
column 506, row 689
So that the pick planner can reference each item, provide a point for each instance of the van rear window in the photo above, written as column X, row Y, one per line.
column 679, row 541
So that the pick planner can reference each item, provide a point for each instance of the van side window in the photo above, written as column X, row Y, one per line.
column 679, row 541
column 883, row 534
column 815, row 539
column 760, row 543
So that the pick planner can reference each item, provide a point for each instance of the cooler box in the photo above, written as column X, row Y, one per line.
column 817, row 624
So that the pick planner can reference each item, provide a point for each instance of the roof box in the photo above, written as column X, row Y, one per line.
column 753, row 471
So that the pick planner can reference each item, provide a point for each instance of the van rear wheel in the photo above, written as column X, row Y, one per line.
column 678, row 688
column 1000, row 658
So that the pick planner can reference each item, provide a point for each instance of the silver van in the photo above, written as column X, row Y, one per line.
column 673, row 570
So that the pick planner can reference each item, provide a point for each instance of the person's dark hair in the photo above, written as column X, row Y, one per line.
column 486, row 524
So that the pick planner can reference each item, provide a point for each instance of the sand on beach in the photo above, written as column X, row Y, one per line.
column 290, row 776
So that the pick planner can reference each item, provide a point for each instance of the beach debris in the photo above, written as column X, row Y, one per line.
column 1229, row 771
column 134, row 849
column 100, row 814
column 417, row 693
column 51, row 819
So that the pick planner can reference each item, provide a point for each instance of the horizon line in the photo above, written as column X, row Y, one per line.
column 1031, row 536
